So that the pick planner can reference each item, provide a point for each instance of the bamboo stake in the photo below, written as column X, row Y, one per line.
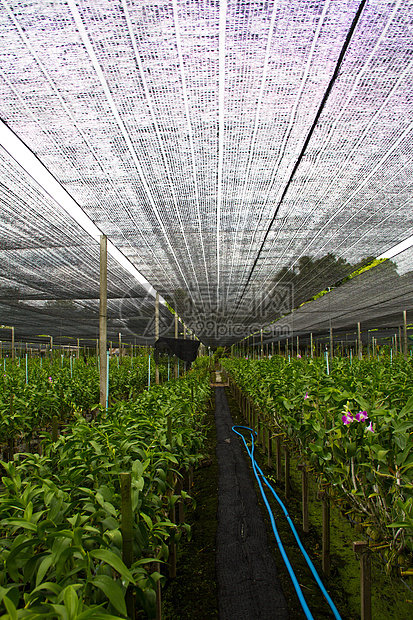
column 359, row 342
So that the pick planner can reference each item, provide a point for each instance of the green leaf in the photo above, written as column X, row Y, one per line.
column 113, row 591
column 403, row 427
column 71, row 601
column 114, row 561
column 381, row 454
column 11, row 609
column 48, row 586
column 408, row 408
column 43, row 568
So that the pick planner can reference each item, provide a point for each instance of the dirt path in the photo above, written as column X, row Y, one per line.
column 247, row 578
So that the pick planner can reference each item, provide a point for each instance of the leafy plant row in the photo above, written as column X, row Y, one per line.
column 352, row 428
column 28, row 401
column 61, row 540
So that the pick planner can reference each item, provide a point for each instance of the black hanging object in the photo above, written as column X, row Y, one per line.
column 186, row 350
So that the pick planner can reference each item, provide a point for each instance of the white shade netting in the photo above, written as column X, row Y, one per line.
column 220, row 146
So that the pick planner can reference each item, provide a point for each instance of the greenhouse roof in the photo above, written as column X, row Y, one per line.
column 241, row 156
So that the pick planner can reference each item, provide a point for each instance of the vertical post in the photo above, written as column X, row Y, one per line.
column 269, row 447
column 400, row 340
column 120, row 348
column 326, row 532
column 311, row 346
column 127, row 534
column 262, row 344
column 287, row 471
column 157, row 334
column 361, row 549
column 405, row 334
column 78, row 349
column 304, row 497
column 12, row 344
column 359, row 342
column 103, row 314
column 278, row 468
column 176, row 336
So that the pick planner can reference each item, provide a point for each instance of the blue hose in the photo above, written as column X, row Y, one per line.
column 258, row 472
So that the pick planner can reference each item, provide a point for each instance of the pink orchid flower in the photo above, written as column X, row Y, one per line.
column 361, row 416
column 347, row 418
column 370, row 428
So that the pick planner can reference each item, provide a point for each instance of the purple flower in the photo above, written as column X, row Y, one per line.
column 50, row 379
column 369, row 428
column 306, row 396
column 361, row 416
column 299, row 356
column 347, row 418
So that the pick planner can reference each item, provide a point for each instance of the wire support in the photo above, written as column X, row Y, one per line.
column 258, row 473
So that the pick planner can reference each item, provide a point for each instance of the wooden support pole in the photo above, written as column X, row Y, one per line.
column 304, row 496
column 278, row 461
column 359, row 342
column 103, row 315
column 287, row 481
column 269, row 448
column 176, row 336
column 78, row 349
column 322, row 495
column 12, row 345
column 405, row 334
column 361, row 549
column 127, row 534
column 157, row 334
column 311, row 346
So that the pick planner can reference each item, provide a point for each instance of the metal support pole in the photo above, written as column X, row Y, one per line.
column 12, row 344
column 103, row 315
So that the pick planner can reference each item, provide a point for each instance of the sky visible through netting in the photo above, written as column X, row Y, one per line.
column 242, row 156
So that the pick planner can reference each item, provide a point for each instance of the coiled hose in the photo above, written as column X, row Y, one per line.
column 258, row 475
